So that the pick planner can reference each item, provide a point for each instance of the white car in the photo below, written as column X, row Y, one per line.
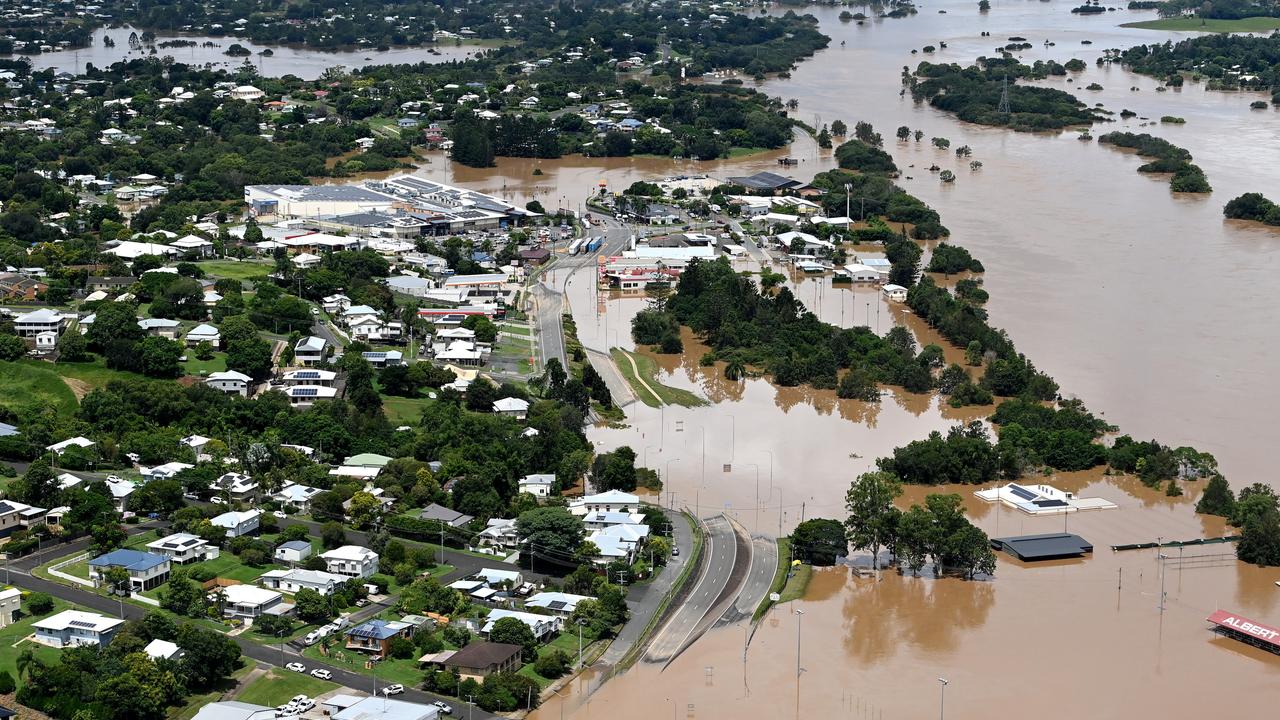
column 280, row 514
column 298, row 700
column 215, row 500
column 445, row 707
column 296, row 667
column 322, row 674
column 114, row 478
column 305, row 705
column 393, row 689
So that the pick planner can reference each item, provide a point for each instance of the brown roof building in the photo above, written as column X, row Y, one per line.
column 20, row 287
column 481, row 659
column 535, row 256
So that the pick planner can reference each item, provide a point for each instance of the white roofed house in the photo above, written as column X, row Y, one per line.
column 893, row 292
column 543, row 626
column 357, row 313
column 335, row 304
column 351, row 560
column 500, row 533
column 31, row 324
column 539, row 485
column 310, row 350
column 60, row 447
column 291, row 581
column 204, row 333
column 250, row 601
column 182, row 548
column 163, row 650
column 601, row 519
column 237, row 485
column 246, row 92
column 512, row 407
column 230, row 382
column 307, row 395
column 296, row 496
column 611, row 501
column 559, row 603
column 192, row 245
column 237, row 523
column 70, row 628
column 165, row 471
column 305, row 260
column 618, row 542
column 310, row 376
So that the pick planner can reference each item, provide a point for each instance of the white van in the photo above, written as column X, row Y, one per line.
column 312, row 637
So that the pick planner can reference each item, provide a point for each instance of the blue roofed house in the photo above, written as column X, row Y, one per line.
column 375, row 635
column 146, row 570
column 630, row 125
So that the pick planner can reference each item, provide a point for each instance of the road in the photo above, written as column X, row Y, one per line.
column 764, row 563
column 727, row 560
column 643, row 600
column 19, row 574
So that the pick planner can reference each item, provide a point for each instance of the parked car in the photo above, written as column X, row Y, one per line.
column 675, row 551
column 393, row 689
column 312, row 637
column 114, row 478
column 298, row 700
column 340, row 622
column 305, row 705
column 445, row 707
column 322, row 674
column 280, row 514
column 216, row 500
column 362, row 602
column 296, row 667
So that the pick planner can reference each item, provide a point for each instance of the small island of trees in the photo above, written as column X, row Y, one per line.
column 1165, row 158
column 1255, row 207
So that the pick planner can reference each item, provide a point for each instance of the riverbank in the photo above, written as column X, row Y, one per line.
column 1195, row 24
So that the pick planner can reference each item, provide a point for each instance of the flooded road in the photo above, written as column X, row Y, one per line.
column 1147, row 305
column 305, row 63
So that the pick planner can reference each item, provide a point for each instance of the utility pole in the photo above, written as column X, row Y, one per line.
column 799, row 617
column 580, row 623
column 942, row 700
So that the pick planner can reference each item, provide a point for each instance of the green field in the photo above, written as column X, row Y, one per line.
column 1195, row 24
column 514, row 329
column 195, row 367
column 19, row 630
column 30, row 382
column 403, row 410
column 278, row 686
column 236, row 270
column 649, row 372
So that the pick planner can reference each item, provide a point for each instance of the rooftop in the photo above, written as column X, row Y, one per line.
column 1043, row 547
column 480, row 654
column 129, row 560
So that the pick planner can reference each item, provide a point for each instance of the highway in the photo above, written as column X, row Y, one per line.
column 764, row 563
column 727, row 556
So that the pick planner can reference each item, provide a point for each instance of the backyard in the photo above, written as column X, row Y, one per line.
column 245, row 270
column 10, row 637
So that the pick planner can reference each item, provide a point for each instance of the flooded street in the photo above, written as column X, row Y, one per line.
column 305, row 63
column 1147, row 305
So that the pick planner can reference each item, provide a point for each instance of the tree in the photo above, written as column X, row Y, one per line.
column 871, row 513
column 39, row 603
column 1217, row 498
column 511, row 631
column 73, row 347
column 7, row 684
column 552, row 664
column 158, row 357
column 116, row 580
column 858, row 384
column 970, row 549
column 11, row 347
column 552, row 532
column 312, row 607
column 819, row 541
column 181, row 595
column 246, row 351
column 616, row 470
column 209, row 656
column 838, row 128
column 333, row 535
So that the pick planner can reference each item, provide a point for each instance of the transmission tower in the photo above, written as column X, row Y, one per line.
column 1004, row 97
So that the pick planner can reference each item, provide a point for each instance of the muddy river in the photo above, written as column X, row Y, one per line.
column 1147, row 305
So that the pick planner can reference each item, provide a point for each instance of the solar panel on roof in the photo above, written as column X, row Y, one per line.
column 1022, row 492
column 557, row 604
column 305, row 392
column 81, row 624
column 307, row 374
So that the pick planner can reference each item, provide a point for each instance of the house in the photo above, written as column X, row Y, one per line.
column 197, row 443
column 611, row 501
column 529, row 103
column 307, row 395
column 351, row 560
column 310, row 350
column 246, row 92
column 543, row 626
column 380, row 359
column 161, row 327
column 658, row 214
column 190, row 244
column 163, row 650
column 559, row 603
column 292, row 552
column 310, row 376
column 495, row 578
column 618, row 542
column 600, row 519
column 512, row 407
column 14, row 286
column 500, row 533
column 10, row 603
column 291, row 581
column 481, row 659
column 131, row 250
column 860, row 273
column 534, row 256
column 110, row 284
column 384, row 708
column 442, row 514
column 238, row 523
column 335, row 304
column 249, row 601
column 120, row 492
column 235, row 710
column 31, row 324
column 237, row 486
column 70, row 628
column 61, row 447
column 183, row 548
column 229, row 381
column 164, row 472
column 15, row 516
column 146, row 570
column 538, row 485
column 296, row 496
column 896, row 293
column 375, row 636
column 306, row 261
column 204, row 333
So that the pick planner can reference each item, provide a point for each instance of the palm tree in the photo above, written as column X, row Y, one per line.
column 28, row 665
column 734, row 369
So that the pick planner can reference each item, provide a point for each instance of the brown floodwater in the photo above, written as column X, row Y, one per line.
column 1101, row 276
column 300, row 61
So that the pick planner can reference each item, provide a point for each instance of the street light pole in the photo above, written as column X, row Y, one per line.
column 942, row 698
column 799, row 617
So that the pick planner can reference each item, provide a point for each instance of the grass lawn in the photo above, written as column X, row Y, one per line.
column 403, row 410
column 229, row 566
column 201, row 368
column 566, row 641
column 95, row 372
column 278, row 686
column 35, row 383
column 649, row 371
column 1251, row 24
column 20, row 629
column 196, row 702
column 795, row 587
column 515, row 329
column 739, row 152
column 406, row 672
column 236, row 270
column 513, row 347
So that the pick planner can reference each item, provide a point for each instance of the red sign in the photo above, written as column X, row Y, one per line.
column 1245, row 626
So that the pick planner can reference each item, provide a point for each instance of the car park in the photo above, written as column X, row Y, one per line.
column 322, row 674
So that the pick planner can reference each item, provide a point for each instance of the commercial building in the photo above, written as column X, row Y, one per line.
column 1049, row 546
column 313, row 201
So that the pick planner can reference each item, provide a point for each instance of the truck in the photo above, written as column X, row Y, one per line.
column 595, row 244
column 575, row 246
